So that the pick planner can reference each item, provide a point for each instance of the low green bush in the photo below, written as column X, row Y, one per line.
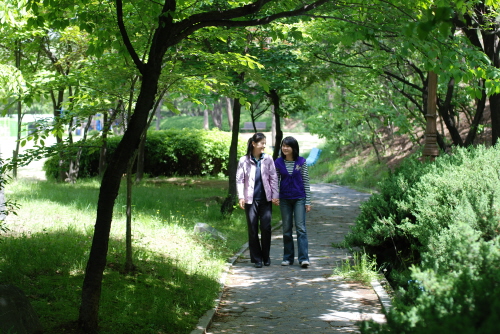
column 167, row 153
column 439, row 224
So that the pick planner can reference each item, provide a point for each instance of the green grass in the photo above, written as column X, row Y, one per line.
column 360, row 268
column 348, row 168
column 177, row 276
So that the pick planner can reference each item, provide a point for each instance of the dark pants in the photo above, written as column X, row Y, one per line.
column 259, row 211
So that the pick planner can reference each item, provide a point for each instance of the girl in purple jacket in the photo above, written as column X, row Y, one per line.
column 294, row 201
column 257, row 185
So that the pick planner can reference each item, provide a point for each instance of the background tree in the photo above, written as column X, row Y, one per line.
column 392, row 50
column 480, row 25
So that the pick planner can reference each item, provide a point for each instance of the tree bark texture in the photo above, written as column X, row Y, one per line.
column 275, row 99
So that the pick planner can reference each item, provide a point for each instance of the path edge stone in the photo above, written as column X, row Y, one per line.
column 382, row 294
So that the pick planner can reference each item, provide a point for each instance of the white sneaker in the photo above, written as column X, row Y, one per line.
column 304, row 264
column 285, row 263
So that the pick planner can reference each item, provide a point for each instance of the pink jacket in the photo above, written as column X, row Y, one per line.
column 245, row 178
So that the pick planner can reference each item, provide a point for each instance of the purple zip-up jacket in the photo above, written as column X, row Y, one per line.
column 245, row 178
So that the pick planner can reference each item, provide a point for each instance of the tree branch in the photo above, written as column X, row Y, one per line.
column 196, row 22
column 126, row 39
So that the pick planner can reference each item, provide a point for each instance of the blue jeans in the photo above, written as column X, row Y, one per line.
column 294, row 209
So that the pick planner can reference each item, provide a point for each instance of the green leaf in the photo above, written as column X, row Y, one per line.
column 445, row 29
column 172, row 107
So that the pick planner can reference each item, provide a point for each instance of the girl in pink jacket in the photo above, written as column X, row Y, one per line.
column 257, row 185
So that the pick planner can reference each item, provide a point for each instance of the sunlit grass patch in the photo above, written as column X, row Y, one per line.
column 177, row 271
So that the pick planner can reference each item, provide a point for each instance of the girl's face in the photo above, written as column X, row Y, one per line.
column 259, row 147
column 287, row 151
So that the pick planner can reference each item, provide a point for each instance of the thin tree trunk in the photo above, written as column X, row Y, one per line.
column 141, row 155
column 216, row 115
column 228, row 204
column 15, row 153
column 129, row 262
column 446, row 111
column 273, row 94
column 74, row 166
column 158, row 116
column 57, row 105
column 140, row 159
column 3, row 208
column 373, row 141
column 478, row 117
column 104, row 148
column 495, row 118
column 229, row 113
column 205, row 119
column 273, row 127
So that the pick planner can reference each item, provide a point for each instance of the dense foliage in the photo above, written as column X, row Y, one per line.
column 167, row 153
column 441, row 220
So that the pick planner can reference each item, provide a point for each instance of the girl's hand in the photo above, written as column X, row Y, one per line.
column 276, row 201
column 308, row 208
column 242, row 203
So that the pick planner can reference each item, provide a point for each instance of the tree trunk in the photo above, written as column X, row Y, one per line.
column 495, row 118
column 228, row 204
column 140, row 158
column 478, row 117
column 15, row 153
column 3, row 209
column 110, row 185
column 104, row 148
column 205, row 119
column 74, row 166
column 217, row 115
column 158, row 116
column 273, row 128
column 373, row 139
column 129, row 262
column 275, row 99
column 229, row 113
column 57, row 105
column 446, row 111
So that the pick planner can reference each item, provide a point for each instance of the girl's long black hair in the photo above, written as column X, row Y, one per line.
column 255, row 138
column 293, row 143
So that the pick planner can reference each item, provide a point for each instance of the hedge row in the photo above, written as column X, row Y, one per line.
column 442, row 221
column 167, row 153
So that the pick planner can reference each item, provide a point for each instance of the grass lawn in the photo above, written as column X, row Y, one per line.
column 177, row 277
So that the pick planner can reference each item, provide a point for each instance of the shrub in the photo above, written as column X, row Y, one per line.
column 447, row 215
column 167, row 153
column 378, row 227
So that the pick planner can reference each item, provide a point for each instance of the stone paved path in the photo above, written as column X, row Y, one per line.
column 278, row 299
